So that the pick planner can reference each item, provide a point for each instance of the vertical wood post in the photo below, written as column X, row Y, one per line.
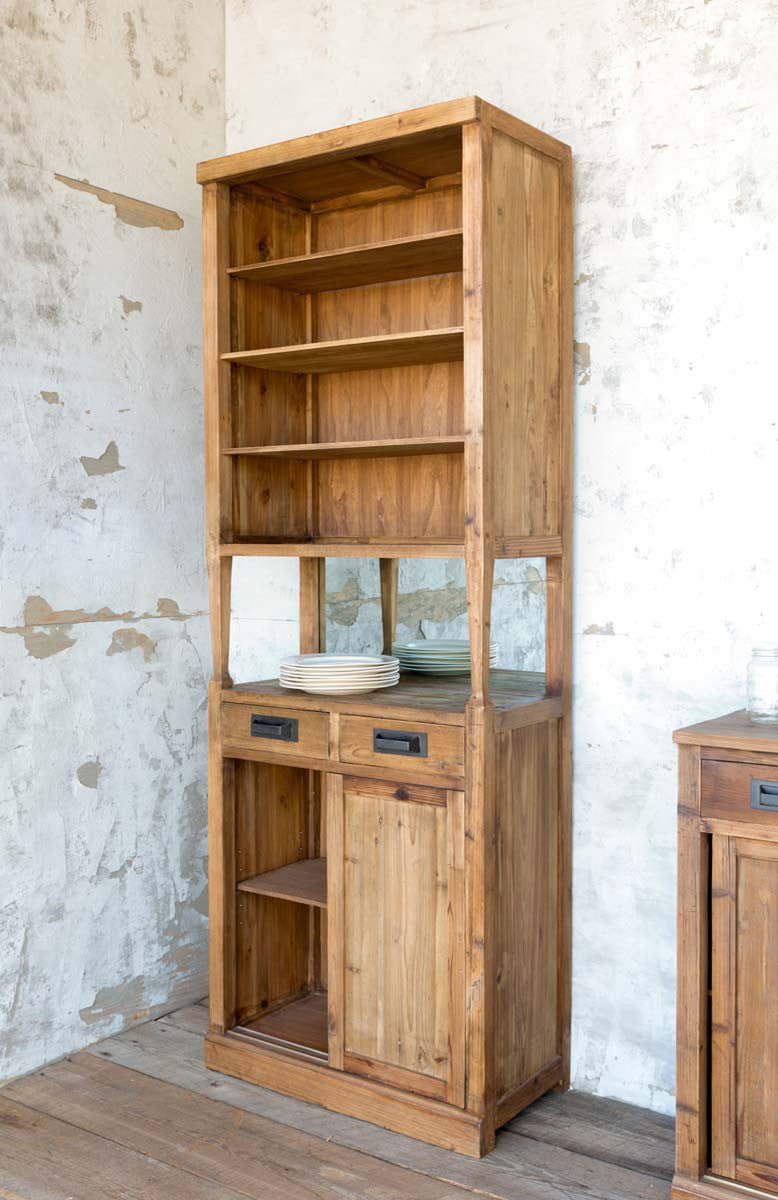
column 389, row 568
column 218, row 422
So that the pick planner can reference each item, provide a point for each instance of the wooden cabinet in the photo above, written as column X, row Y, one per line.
column 388, row 370
column 728, row 959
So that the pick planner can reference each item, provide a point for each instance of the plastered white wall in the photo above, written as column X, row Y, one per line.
column 104, row 110
column 671, row 112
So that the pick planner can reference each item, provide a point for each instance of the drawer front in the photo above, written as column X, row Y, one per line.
column 746, row 792
column 430, row 749
column 275, row 731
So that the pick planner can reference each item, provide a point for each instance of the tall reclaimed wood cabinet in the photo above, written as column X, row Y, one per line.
column 727, row 1069
column 388, row 370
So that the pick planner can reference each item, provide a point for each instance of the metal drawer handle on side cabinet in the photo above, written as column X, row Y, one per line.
column 764, row 794
column 280, row 729
column 395, row 741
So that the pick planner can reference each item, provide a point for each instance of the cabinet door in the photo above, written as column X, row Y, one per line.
column 395, row 871
column 744, row 1011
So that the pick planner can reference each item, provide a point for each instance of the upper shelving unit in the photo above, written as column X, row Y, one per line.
column 389, row 448
column 357, row 266
column 357, row 354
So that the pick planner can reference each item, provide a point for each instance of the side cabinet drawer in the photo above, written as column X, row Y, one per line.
column 275, row 730
column 746, row 792
column 436, row 749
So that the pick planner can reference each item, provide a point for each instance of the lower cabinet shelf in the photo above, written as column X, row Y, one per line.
column 298, row 1026
column 303, row 882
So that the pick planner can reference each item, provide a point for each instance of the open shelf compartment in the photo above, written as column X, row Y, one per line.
column 302, row 882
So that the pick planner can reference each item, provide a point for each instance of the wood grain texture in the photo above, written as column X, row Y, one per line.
column 312, row 730
column 735, row 731
column 723, row 1097
column 218, row 417
column 389, row 569
column 346, row 548
column 304, row 882
column 396, row 942
column 356, row 354
column 692, row 1015
column 335, row 144
column 301, row 1023
column 221, row 871
column 357, row 266
column 526, row 932
column 445, row 746
column 336, row 919
column 726, row 792
column 390, row 448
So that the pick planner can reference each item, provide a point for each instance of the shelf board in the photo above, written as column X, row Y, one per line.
column 356, row 266
column 336, row 548
column 358, row 354
column 388, row 448
column 304, row 882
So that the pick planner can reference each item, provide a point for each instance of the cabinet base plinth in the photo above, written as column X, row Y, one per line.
column 415, row 1116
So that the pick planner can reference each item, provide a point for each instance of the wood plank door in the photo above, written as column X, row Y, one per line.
column 395, row 872
column 744, row 1011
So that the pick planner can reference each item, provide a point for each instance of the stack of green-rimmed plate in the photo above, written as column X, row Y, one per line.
column 438, row 656
column 339, row 674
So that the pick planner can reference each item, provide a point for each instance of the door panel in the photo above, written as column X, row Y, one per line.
column 744, row 1066
column 398, row 950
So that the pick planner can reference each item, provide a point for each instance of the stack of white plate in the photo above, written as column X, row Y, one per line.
column 438, row 656
column 339, row 674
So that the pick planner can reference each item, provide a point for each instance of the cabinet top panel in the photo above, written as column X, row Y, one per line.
column 429, row 136
column 731, row 732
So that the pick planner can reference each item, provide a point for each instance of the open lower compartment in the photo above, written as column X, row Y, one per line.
column 281, row 915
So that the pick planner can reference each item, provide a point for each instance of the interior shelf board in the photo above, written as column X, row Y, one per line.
column 358, row 354
column 304, row 882
column 357, row 266
column 301, row 1023
column 326, row 548
column 388, row 448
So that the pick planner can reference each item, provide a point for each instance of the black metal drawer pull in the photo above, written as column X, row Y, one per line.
column 281, row 729
column 764, row 794
column 394, row 741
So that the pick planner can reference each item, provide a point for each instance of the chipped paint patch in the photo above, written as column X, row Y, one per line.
column 124, row 640
column 129, row 210
column 169, row 608
column 51, row 398
column 106, row 464
column 602, row 630
column 582, row 356
column 583, row 278
column 131, row 306
column 88, row 502
column 41, row 643
column 131, row 44
column 125, row 999
column 89, row 772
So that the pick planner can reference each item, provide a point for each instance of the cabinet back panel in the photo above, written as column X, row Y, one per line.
column 421, row 496
column 423, row 401
column 406, row 216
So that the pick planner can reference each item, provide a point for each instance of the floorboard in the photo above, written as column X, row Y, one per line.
column 146, row 1098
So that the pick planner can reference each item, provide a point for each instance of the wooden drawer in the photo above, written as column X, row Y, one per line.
column 730, row 791
column 435, row 749
column 275, row 730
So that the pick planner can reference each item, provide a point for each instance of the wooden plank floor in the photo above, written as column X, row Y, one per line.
column 138, row 1117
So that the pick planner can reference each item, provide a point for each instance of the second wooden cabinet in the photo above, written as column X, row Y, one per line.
column 728, row 960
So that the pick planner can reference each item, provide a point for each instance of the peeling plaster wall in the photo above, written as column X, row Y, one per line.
column 104, row 110
column 670, row 109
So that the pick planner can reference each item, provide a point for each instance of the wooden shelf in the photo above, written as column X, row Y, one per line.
column 391, row 448
column 504, row 547
column 356, row 266
column 358, row 354
column 304, row 882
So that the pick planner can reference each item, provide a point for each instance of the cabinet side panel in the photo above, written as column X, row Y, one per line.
column 396, row 932
column 526, row 904
column 522, row 338
column 272, row 936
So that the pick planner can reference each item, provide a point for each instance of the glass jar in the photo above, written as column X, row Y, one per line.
column 762, row 701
